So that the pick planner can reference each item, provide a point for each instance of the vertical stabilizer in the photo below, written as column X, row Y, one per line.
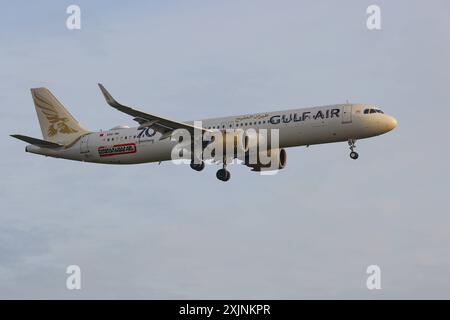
column 57, row 124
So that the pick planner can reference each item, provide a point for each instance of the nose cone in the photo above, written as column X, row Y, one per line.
column 390, row 123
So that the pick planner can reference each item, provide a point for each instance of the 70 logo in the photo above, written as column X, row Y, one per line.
column 146, row 132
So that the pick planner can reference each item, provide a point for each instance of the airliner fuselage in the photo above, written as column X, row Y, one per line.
column 298, row 127
column 152, row 140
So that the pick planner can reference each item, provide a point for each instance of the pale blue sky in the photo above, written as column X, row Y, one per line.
column 150, row 231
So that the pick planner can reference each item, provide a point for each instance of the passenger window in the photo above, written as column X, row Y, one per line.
column 372, row 111
column 366, row 111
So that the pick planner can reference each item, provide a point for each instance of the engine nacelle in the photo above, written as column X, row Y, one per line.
column 273, row 159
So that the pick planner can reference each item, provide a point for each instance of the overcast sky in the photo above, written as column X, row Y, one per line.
column 165, row 231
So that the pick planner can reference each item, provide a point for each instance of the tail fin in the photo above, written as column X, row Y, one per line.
column 57, row 124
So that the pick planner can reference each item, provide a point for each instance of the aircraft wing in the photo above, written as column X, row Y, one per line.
column 160, row 124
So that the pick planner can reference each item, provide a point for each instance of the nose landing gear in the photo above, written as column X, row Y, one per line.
column 353, row 154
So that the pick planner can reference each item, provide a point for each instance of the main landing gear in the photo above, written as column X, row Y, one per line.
column 223, row 174
column 353, row 154
column 198, row 166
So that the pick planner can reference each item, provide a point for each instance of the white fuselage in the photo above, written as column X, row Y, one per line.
column 297, row 127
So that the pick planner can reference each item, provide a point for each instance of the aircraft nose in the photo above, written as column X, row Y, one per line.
column 390, row 123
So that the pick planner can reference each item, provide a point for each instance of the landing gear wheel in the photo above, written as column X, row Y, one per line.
column 198, row 166
column 352, row 144
column 223, row 175
column 354, row 155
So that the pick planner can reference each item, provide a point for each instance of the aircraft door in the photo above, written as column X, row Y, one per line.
column 347, row 113
column 84, row 148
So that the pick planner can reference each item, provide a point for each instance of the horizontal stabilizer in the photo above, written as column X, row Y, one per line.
column 37, row 142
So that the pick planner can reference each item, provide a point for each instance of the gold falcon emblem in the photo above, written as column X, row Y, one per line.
column 57, row 123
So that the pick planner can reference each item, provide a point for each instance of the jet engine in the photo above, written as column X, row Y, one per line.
column 273, row 159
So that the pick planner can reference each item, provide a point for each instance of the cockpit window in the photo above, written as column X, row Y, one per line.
column 372, row 110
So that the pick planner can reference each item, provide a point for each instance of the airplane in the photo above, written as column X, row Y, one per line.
column 150, row 141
